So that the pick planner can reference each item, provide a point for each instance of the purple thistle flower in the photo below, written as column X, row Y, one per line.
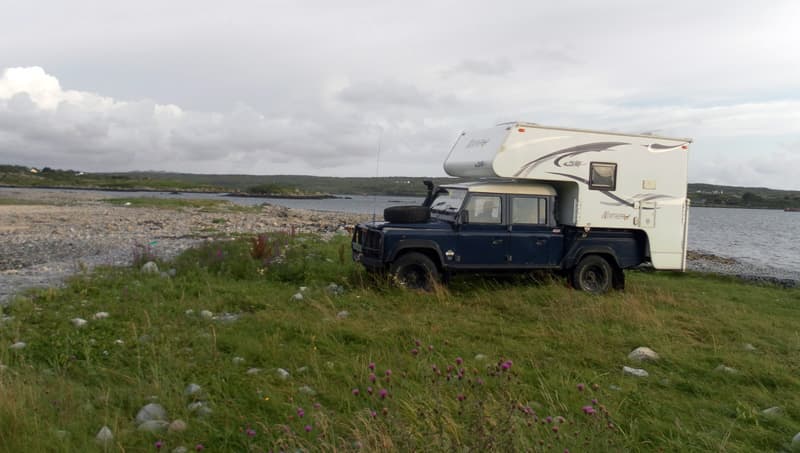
column 372, row 377
column 506, row 365
column 369, row 390
column 250, row 432
column 159, row 444
column 581, row 387
column 414, row 351
column 199, row 447
column 417, row 342
column 459, row 361
column 588, row 410
column 371, row 366
column 388, row 373
column 383, row 393
column 555, row 428
column 356, row 392
column 461, row 397
column 434, row 368
column 308, row 428
column 594, row 401
column 548, row 419
column 373, row 414
column 300, row 412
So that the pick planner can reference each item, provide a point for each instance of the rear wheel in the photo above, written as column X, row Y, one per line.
column 414, row 270
column 593, row 274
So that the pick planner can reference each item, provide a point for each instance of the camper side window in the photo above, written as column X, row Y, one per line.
column 602, row 176
column 484, row 209
column 528, row 210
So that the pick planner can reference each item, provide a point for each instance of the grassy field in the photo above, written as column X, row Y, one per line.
column 483, row 365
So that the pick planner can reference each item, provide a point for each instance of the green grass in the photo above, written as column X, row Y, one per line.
column 174, row 203
column 77, row 380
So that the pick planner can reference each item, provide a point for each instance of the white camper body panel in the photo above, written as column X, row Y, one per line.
column 649, row 192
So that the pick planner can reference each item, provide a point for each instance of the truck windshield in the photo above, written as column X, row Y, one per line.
column 448, row 201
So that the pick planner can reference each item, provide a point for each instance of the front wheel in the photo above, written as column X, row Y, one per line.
column 593, row 274
column 415, row 271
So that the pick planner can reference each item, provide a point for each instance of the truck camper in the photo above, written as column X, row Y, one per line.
column 588, row 203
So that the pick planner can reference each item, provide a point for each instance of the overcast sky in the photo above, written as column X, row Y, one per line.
column 315, row 87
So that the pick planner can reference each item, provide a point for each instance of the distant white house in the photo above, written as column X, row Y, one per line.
column 33, row 170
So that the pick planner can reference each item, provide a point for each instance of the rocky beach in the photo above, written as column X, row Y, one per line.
column 47, row 235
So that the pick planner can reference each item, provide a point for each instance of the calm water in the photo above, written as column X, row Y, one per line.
column 755, row 236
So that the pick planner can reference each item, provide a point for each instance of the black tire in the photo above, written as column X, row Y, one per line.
column 407, row 214
column 414, row 270
column 593, row 274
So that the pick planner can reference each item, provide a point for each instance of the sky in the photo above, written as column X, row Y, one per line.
column 357, row 88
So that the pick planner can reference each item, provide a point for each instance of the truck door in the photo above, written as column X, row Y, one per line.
column 534, row 240
column 483, row 239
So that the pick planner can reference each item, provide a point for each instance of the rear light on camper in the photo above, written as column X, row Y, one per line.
column 522, row 129
column 685, row 146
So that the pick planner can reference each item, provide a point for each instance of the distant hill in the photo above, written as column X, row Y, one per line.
column 302, row 185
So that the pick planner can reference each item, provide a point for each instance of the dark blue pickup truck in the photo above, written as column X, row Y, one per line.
column 491, row 227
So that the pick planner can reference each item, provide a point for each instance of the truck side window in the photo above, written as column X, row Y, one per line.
column 602, row 176
column 484, row 209
column 528, row 210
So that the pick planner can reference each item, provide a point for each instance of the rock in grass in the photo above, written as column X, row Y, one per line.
column 480, row 357
column 100, row 315
column 638, row 372
column 149, row 412
column 180, row 449
column 726, row 369
column 344, row 314
column 297, row 296
column 150, row 268
column 283, row 374
column 177, row 426
column 206, row 314
column 189, row 312
column 335, row 289
column 153, row 426
column 643, row 354
column 78, row 322
column 303, row 289
column 306, row 390
column 773, row 411
column 192, row 389
column 199, row 408
column 104, row 436
column 749, row 347
column 237, row 360
column 796, row 440
column 18, row 345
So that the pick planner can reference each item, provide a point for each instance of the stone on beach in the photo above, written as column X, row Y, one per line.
column 206, row 314
column 78, row 322
column 177, row 426
column 18, row 345
column 150, row 412
column 726, row 369
column 104, row 436
column 297, row 296
column 100, row 315
column 153, row 426
column 773, row 411
column 192, row 389
column 637, row 372
column 150, row 268
column 283, row 374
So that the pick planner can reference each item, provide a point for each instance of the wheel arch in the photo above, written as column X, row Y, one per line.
column 428, row 248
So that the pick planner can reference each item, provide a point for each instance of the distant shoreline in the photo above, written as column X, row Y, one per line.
column 173, row 191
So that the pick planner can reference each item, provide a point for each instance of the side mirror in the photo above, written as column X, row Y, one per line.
column 463, row 217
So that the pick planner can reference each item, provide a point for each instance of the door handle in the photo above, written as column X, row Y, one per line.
column 497, row 241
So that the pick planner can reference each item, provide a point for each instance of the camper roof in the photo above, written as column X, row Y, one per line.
column 573, row 129
column 505, row 186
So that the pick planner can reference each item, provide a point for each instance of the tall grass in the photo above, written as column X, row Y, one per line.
column 487, row 365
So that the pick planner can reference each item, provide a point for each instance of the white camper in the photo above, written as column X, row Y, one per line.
column 606, row 180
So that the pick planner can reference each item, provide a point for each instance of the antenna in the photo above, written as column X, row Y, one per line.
column 377, row 168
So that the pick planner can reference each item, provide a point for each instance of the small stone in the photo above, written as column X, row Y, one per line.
column 227, row 317
column 726, row 369
column 153, row 426
column 254, row 370
column 150, row 412
column 335, row 289
column 119, row 342
column 177, row 426
column 616, row 388
column 206, row 314
column 18, row 345
column 189, row 312
column 306, row 390
column 237, row 360
column 78, row 322
column 344, row 314
column 480, row 357
column 303, row 289
column 192, row 389
column 104, row 436
column 297, row 296
column 150, row 268
column 283, row 374
column 749, row 347
column 642, row 354
column 61, row 434
column 194, row 407
column 638, row 372
column 773, row 411
column 796, row 440
column 101, row 315
column 180, row 449
column 302, row 369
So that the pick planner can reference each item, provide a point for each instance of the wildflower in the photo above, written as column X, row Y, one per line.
column 459, row 361
column 250, row 432
column 356, row 392
column 430, row 347
column 308, row 428
column 372, row 377
column 461, row 397
column 595, row 386
column 300, row 412
column 588, row 410
column 555, row 428
column 414, row 351
column 594, row 401
column 388, row 373
column 371, row 366
column 199, row 447
column 549, row 419
column 369, row 390
column 506, row 365
column 417, row 342
column 159, row 444
column 383, row 393
column 581, row 387
column 434, row 368
column 373, row 414
column 385, row 411
column 317, row 406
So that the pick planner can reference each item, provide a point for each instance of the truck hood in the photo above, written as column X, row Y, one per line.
column 432, row 224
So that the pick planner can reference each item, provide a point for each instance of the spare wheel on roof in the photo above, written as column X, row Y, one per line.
column 407, row 214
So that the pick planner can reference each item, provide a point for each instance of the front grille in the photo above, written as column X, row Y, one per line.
column 369, row 240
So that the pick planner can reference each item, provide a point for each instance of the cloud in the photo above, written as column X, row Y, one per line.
column 496, row 67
